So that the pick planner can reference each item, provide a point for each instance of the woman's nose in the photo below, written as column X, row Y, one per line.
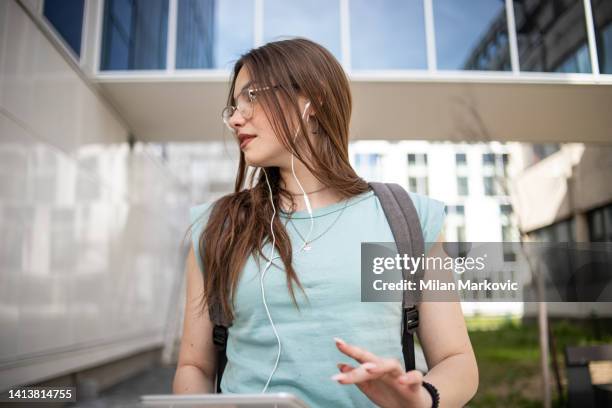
column 236, row 120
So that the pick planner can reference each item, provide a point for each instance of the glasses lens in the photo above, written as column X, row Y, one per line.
column 226, row 114
column 245, row 105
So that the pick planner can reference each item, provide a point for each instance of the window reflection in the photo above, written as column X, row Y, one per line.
column 67, row 19
column 471, row 35
column 213, row 33
column 602, row 16
column 551, row 36
column 387, row 34
column 318, row 20
column 195, row 34
column 134, row 34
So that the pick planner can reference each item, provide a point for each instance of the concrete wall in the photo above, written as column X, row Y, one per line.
column 90, row 244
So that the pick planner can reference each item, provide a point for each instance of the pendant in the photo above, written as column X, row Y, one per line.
column 306, row 247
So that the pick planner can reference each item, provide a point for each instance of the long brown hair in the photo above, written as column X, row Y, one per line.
column 239, row 224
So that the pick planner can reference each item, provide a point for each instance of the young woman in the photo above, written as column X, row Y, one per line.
column 298, row 323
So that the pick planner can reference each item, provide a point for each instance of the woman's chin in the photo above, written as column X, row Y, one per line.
column 255, row 160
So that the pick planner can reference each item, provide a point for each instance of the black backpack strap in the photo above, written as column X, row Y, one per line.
column 219, row 334
column 406, row 228
column 220, row 341
column 219, row 337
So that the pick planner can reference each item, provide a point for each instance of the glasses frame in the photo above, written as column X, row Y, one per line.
column 245, row 111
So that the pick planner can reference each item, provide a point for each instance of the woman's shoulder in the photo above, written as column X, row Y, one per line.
column 432, row 213
column 197, row 211
column 201, row 211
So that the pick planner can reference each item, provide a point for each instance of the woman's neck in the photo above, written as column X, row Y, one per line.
column 318, row 194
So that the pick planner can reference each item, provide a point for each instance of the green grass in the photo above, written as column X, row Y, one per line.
column 508, row 357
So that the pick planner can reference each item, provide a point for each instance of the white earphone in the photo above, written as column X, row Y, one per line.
column 270, row 258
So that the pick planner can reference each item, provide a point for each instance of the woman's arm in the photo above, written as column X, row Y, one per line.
column 197, row 361
column 447, row 347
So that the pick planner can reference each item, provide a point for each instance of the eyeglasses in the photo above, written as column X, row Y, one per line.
column 244, row 104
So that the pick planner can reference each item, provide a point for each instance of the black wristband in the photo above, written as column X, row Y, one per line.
column 433, row 391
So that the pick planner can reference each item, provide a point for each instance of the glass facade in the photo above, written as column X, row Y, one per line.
column 600, row 224
column 602, row 16
column 234, row 28
column 387, row 34
column 562, row 231
column 134, row 35
column 212, row 34
column 471, row 35
column 67, row 19
column 551, row 36
column 318, row 20
column 195, row 34
column 383, row 34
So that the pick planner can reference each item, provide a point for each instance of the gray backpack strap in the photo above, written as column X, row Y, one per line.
column 406, row 228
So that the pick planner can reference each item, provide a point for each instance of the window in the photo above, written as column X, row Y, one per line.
column 455, row 209
column 462, row 186
column 318, row 20
column 489, row 187
column 387, row 34
column 471, row 35
column 505, row 209
column 460, row 159
column 600, row 224
column 134, row 35
column 488, row 159
column 418, row 185
column 419, row 159
column 369, row 166
column 66, row 17
column 603, row 34
column 548, row 33
column 207, row 34
column 577, row 61
column 562, row 231
column 543, row 150
column 195, row 34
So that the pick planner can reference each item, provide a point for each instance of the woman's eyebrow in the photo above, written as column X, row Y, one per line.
column 244, row 87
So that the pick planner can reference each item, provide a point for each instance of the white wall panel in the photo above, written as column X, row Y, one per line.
column 90, row 240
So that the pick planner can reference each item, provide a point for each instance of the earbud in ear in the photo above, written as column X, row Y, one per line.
column 305, row 108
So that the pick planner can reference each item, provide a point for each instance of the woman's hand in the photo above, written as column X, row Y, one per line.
column 382, row 380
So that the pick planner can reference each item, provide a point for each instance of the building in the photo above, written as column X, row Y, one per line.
column 470, row 178
column 562, row 194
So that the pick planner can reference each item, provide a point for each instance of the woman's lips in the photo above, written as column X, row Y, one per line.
column 245, row 139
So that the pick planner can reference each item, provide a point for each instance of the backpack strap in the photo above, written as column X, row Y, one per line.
column 219, row 336
column 406, row 228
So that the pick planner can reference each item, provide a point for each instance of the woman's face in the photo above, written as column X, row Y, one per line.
column 265, row 148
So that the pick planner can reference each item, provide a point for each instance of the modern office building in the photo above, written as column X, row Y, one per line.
column 562, row 193
column 470, row 178
column 95, row 95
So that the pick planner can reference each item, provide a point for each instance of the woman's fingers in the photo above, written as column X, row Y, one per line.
column 388, row 366
column 343, row 367
column 355, row 352
column 352, row 375
column 411, row 379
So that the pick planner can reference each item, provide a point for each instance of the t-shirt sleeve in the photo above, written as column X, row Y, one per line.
column 198, row 217
column 431, row 215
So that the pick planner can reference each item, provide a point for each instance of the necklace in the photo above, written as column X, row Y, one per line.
column 310, row 192
column 307, row 246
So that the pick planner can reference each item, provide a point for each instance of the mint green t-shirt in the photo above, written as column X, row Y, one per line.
column 331, row 275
